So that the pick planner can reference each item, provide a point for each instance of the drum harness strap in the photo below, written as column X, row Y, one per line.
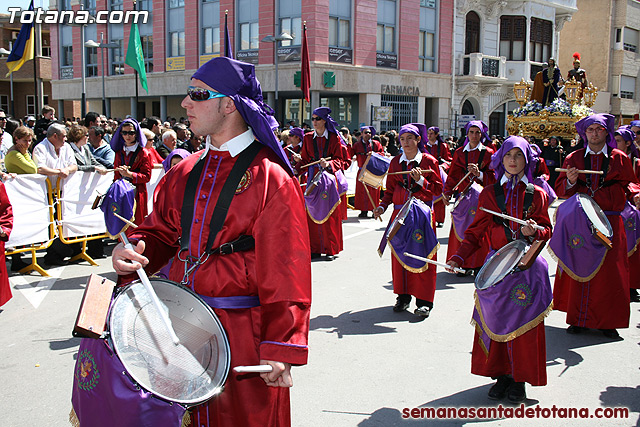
column 466, row 161
column 316, row 150
column 407, row 181
column 242, row 243
column 605, row 168
column 500, row 199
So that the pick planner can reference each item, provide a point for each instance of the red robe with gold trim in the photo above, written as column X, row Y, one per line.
column 268, row 205
column 361, row 201
column 141, row 169
column 421, row 285
column 524, row 357
column 603, row 302
column 445, row 154
column 634, row 259
column 325, row 238
column 6, row 222
column 457, row 171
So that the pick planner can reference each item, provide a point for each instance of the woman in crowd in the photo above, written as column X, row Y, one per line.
column 132, row 162
column 149, row 148
column 77, row 137
column 18, row 159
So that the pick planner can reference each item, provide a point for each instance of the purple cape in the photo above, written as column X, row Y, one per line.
column 607, row 121
column 238, row 81
column 631, row 219
column 578, row 252
column 465, row 212
column 514, row 305
column 121, row 199
column 117, row 141
column 323, row 199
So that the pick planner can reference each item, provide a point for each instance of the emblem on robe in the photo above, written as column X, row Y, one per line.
column 521, row 295
column 87, row 374
column 418, row 236
column 576, row 241
column 245, row 182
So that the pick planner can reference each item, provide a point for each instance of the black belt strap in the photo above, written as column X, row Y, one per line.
column 604, row 168
column 224, row 200
column 500, row 200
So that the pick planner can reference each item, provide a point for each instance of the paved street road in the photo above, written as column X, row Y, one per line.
column 367, row 364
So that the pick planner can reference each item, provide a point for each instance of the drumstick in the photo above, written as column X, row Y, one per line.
column 121, row 218
column 580, row 171
column 371, row 200
column 314, row 163
column 405, row 172
column 154, row 298
column 287, row 147
column 458, row 184
column 512, row 218
column 254, row 368
column 430, row 261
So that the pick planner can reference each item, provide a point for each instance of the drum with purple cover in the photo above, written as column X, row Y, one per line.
column 400, row 219
column 600, row 225
column 502, row 263
column 374, row 169
column 311, row 185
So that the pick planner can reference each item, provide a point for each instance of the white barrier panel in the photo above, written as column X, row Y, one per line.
column 352, row 175
column 156, row 175
column 31, row 218
column 79, row 191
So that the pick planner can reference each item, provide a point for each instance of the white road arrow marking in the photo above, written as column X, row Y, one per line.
column 35, row 288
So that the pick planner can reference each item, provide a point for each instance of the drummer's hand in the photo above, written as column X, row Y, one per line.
column 572, row 176
column 473, row 168
column 416, row 174
column 323, row 163
column 445, row 200
column 125, row 261
column 377, row 212
column 453, row 265
column 528, row 230
column 280, row 376
column 636, row 201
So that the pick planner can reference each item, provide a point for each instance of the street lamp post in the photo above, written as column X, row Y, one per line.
column 272, row 39
column 102, row 45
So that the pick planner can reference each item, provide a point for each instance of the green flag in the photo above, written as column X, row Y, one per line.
column 135, row 57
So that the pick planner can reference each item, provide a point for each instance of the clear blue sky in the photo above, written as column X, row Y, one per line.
column 24, row 4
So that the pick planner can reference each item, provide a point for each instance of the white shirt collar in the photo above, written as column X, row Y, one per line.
column 604, row 151
column 235, row 145
column 417, row 158
column 467, row 147
column 505, row 179
column 434, row 143
column 324, row 135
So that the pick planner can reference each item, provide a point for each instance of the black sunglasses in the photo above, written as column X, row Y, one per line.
column 128, row 132
column 367, row 133
column 316, row 119
column 201, row 94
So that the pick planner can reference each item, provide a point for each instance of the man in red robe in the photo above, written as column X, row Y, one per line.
column 261, row 294
column 472, row 158
column 361, row 149
column 322, row 144
column 422, row 183
column 519, row 355
column 438, row 149
column 603, row 301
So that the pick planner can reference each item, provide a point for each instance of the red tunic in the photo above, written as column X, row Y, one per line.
column 153, row 155
column 361, row 201
column 441, row 152
column 141, row 169
column 603, row 302
column 634, row 259
column 325, row 238
column 421, row 285
column 457, row 171
column 6, row 223
column 524, row 357
column 269, row 206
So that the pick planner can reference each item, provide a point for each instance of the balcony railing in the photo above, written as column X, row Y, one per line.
column 479, row 65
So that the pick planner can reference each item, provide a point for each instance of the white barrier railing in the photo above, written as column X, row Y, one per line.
column 32, row 215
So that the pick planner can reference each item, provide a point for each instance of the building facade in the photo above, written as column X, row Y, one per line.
column 364, row 54
column 606, row 34
column 497, row 43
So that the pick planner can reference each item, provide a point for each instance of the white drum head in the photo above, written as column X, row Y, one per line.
column 189, row 373
column 500, row 264
column 595, row 214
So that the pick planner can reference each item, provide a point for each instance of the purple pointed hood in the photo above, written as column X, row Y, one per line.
column 509, row 144
column 607, row 121
column 117, row 141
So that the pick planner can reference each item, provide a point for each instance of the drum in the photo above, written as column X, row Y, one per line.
column 313, row 183
column 400, row 219
column 374, row 169
column 503, row 262
column 189, row 373
column 600, row 225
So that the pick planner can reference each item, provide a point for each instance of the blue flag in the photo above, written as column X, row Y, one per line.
column 23, row 47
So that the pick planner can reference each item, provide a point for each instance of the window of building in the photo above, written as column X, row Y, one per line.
column 147, row 52
column 428, row 3
column 513, row 34
column 427, row 41
column 175, row 27
column 293, row 27
column 540, row 40
column 4, row 102
column 67, row 56
column 176, row 3
column 405, row 110
column 210, row 27
column 116, row 5
column 31, row 104
column 627, row 87
column 339, row 23
column 147, row 5
column 385, row 39
column 90, row 5
column 630, row 40
column 472, row 33
column 66, row 52
column 176, row 40
column 248, row 24
column 91, row 56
